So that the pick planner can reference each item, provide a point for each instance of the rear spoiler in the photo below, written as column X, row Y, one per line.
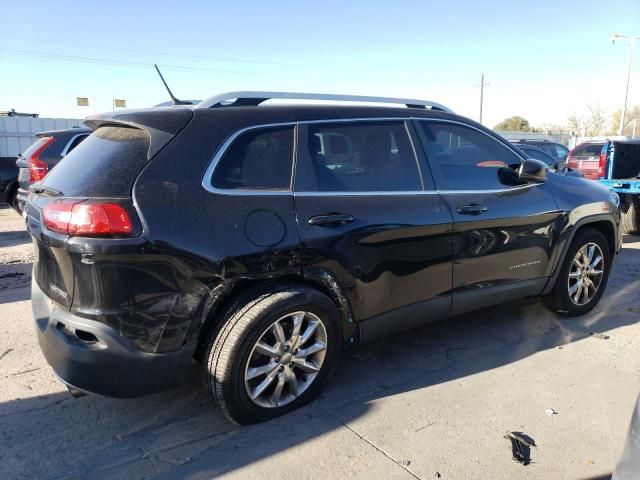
column 161, row 125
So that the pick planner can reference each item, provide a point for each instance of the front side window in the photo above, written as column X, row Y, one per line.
column 358, row 157
column 258, row 159
column 463, row 158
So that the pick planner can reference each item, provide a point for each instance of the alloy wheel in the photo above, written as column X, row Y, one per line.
column 285, row 360
column 585, row 274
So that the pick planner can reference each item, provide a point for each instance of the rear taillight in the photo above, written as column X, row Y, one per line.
column 602, row 162
column 37, row 168
column 87, row 218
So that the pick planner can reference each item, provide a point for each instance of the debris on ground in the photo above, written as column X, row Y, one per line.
column 520, row 446
column 405, row 463
column 551, row 412
column 438, row 475
column 601, row 336
column 7, row 352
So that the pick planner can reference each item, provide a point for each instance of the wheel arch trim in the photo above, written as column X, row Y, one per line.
column 591, row 219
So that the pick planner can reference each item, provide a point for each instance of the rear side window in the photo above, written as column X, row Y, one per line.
column 104, row 165
column 539, row 155
column 358, row 157
column 561, row 152
column 257, row 159
column 75, row 142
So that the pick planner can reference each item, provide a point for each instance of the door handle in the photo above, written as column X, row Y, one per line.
column 331, row 220
column 472, row 209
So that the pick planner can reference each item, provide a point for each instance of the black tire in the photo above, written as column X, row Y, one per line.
column 11, row 197
column 242, row 324
column 630, row 221
column 558, row 300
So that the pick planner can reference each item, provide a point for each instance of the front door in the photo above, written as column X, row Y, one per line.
column 371, row 218
column 503, row 230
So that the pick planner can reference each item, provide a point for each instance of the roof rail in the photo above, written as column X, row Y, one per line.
column 256, row 98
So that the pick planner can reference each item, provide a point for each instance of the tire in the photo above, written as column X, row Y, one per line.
column 631, row 221
column 11, row 197
column 231, row 352
column 559, row 299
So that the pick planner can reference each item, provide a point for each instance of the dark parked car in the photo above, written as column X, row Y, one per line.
column 8, row 180
column 619, row 169
column 551, row 163
column 264, row 239
column 556, row 151
column 585, row 158
column 44, row 154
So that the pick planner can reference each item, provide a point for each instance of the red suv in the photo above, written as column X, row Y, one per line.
column 585, row 158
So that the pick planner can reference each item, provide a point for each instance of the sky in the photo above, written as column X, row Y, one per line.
column 543, row 61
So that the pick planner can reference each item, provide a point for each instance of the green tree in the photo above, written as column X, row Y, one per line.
column 514, row 124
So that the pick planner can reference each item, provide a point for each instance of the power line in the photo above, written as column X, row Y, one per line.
column 196, row 57
column 144, row 65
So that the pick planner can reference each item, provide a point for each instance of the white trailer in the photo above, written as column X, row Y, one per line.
column 17, row 133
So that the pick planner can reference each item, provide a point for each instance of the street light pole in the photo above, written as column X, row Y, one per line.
column 631, row 41
column 482, row 85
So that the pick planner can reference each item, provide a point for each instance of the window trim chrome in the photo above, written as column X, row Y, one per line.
column 207, row 179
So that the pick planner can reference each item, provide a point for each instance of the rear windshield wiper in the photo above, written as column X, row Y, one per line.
column 44, row 190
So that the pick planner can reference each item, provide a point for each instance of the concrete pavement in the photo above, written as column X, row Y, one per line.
column 433, row 403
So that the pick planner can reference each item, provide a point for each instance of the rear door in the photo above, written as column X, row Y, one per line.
column 372, row 220
column 503, row 231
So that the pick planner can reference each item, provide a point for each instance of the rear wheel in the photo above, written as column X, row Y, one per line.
column 631, row 220
column 11, row 197
column 273, row 353
column 583, row 275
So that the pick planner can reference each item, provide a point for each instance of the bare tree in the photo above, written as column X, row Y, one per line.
column 575, row 124
column 590, row 123
column 595, row 122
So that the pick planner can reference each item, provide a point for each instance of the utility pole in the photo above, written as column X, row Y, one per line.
column 482, row 85
column 631, row 41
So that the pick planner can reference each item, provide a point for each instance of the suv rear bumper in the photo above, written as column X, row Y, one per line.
column 109, row 365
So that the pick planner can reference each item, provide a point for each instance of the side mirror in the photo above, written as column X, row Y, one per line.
column 532, row 170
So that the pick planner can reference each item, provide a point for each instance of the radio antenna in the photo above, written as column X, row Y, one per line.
column 174, row 100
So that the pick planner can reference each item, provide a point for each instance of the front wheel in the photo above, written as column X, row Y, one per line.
column 273, row 353
column 583, row 275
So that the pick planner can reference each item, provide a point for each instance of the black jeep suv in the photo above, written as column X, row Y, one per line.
column 263, row 239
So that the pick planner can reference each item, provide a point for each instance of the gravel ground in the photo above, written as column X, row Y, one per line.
column 433, row 403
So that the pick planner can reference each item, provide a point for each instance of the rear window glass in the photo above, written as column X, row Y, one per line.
column 104, row 165
column 588, row 150
column 257, row 159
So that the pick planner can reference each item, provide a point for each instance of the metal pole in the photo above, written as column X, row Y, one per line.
column 481, row 95
column 626, row 91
